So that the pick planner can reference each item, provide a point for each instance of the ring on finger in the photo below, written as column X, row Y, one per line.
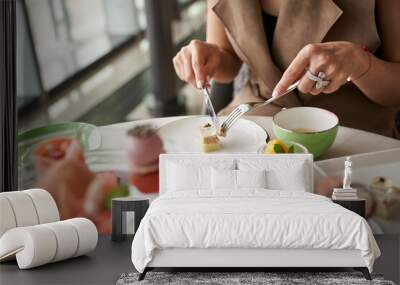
column 319, row 79
column 321, row 84
column 312, row 76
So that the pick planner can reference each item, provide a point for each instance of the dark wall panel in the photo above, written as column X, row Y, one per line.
column 8, row 161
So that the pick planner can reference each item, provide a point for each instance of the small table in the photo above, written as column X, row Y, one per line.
column 356, row 206
column 121, row 209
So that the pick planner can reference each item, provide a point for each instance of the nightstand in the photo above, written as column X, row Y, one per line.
column 127, row 214
column 357, row 206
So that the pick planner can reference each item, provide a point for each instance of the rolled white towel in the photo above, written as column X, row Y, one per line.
column 45, row 205
column 7, row 218
column 23, row 208
column 40, row 244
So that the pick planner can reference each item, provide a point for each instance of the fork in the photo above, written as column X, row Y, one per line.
column 245, row 107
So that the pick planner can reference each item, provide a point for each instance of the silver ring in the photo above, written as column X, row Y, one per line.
column 312, row 76
column 321, row 84
column 319, row 80
column 321, row 75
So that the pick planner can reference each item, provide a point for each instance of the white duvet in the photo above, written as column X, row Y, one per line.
column 250, row 219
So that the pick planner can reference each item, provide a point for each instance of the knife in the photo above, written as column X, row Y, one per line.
column 210, row 108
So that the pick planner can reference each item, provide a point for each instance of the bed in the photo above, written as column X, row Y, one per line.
column 247, row 211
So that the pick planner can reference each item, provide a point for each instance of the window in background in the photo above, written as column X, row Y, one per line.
column 69, row 35
column 29, row 85
column 82, row 64
column 90, row 59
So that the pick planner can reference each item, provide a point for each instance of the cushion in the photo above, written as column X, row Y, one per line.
column 279, row 179
column 45, row 205
column 67, row 239
column 26, row 208
column 32, row 246
column 223, row 179
column 183, row 178
column 251, row 178
column 283, row 173
column 40, row 244
column 187, row 174
column 23, row 208
column 7, row 218
column 87, row 235
column 231, row 180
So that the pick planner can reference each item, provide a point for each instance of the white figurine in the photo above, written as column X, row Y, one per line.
column 346, row 192
column 347, row 174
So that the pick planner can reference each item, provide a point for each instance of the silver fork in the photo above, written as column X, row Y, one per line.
column 245, row 107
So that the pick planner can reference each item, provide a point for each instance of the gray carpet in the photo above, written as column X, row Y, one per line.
column 243, row 278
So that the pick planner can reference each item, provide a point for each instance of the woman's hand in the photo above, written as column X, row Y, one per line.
column 340, row 61
column 197, row 62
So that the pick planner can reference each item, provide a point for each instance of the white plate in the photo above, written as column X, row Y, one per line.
column 184, row 136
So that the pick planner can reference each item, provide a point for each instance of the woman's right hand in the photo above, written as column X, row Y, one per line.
column 197, row 62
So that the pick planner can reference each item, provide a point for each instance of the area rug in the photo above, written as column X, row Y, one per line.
column 244, row 278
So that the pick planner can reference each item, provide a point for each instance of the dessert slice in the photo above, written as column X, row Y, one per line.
column 209, row 138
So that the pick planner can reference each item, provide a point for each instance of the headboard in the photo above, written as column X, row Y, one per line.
column 306, row 160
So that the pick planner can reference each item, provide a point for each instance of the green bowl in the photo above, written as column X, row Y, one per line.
column 314, row 128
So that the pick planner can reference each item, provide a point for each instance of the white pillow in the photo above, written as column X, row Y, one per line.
column 182, row 177
column 223, row 179
column 295, row 180
column 193, row 174
column 283, row 173
column 251, row 178
column 226, row 179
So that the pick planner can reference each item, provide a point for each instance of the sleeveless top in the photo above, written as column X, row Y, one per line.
column 267, row 46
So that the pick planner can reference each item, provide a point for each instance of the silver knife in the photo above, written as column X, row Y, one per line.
column 210, row 108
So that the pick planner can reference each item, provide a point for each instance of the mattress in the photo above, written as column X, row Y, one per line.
column 250, row 219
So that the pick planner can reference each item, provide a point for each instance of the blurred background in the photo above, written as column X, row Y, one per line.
column 89, row 61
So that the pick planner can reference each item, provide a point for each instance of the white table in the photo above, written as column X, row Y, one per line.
column 348, row 141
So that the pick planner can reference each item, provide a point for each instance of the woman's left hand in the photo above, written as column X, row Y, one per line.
column 339, row 61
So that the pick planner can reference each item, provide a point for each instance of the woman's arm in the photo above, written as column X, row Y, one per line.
column 377, row 78
column 382, row 82
column 215, row 58
column 230, row 64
